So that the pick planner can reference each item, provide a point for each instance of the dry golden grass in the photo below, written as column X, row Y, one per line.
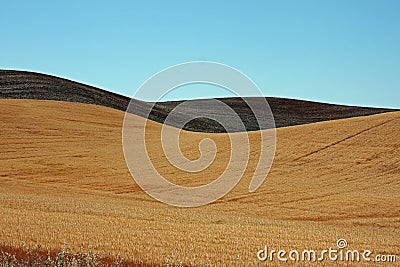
column 63, row 180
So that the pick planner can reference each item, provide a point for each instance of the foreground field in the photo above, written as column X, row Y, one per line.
column 63, row 180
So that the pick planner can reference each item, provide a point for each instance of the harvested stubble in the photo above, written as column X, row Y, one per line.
column 63, row 180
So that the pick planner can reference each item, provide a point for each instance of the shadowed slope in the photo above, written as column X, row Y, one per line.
column 287, row 112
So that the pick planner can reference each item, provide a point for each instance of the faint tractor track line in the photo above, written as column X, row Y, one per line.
column 342, row 140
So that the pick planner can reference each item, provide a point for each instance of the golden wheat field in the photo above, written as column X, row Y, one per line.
column 64, row 181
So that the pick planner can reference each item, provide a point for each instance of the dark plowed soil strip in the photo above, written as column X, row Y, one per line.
column 287, row 112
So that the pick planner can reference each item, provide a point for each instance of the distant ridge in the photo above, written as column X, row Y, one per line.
column 287, row 112
column 31, row 85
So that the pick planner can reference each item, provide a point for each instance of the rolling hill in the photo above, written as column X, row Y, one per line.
column 63, row 180
column 287, row 112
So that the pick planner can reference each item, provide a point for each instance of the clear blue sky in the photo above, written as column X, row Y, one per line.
column 333, row 51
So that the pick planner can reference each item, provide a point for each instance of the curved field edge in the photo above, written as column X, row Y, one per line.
column 286, row 112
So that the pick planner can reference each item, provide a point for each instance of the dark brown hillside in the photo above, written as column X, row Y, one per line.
column 287, row 112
